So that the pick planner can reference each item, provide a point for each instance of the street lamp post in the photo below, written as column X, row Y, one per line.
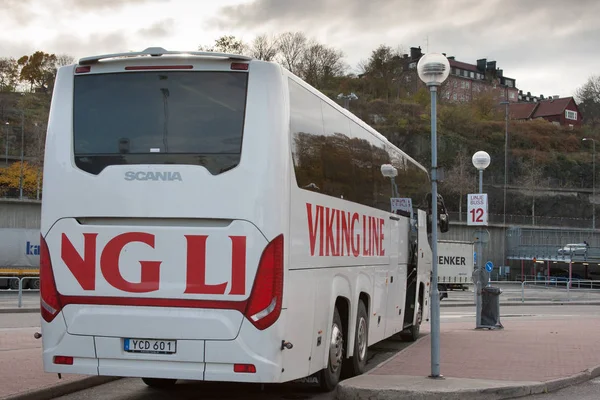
column 22, row 154
column 433, row 70
column 481, row 160
column 6, row 124
column 593, row 182
column 505, row 103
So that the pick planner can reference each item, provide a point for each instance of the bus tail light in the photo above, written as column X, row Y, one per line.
column 63, row 360
column 264, row 304
column 244, row 368
column 49, row 300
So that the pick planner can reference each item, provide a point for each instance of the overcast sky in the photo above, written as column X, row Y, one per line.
column 548, row 46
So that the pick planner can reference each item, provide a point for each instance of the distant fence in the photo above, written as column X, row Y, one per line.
column 551, row 291
column 528, row 220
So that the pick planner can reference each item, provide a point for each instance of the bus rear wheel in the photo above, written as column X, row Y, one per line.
column 159, row 383
column 412, row 334
column 356, row 365
column 330, row 376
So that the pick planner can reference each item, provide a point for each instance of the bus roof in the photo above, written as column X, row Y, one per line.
column 159, row 51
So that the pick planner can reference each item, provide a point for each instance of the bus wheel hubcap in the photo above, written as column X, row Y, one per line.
column 362, row 339
column 335, row 349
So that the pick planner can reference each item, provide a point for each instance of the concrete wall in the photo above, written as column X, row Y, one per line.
column 492, row 251
column 20, row 214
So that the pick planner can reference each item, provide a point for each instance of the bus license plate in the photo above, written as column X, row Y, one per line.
column 150, row 346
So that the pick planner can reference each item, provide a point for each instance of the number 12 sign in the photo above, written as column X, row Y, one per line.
column 477, row 209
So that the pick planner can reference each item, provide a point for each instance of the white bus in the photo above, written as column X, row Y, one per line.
column 213, row 217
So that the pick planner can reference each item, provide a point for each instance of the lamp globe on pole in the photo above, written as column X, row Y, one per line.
column 481, row 160
column 433, row 69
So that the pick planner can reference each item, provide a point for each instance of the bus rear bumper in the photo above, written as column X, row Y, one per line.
column 237, row 360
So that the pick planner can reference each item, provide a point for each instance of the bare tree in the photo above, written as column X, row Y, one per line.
column 460, row 179
column 531, row 181
column 9, row 74
column 588, row 97
column 319, row 63
column 264, row 47
column 64, row 59
column 291, row 48
column 227, row 44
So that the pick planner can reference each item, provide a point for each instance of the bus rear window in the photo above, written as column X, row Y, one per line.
column 179, row 117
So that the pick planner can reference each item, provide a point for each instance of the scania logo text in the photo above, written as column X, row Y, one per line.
column 152, row 176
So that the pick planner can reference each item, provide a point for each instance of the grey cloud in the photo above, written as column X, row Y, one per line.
column 158, row 29
column 532, row 35
column 78, row 47
column 93, row 5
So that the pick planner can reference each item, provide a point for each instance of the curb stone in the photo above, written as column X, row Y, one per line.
column 61, row 389
column 19, row 310
column 346, row 392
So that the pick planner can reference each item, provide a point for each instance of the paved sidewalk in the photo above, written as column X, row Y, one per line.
column 22, row 372
column 527, row 356
column 30, row 302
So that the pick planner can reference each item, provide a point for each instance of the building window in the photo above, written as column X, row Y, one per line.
column 472, row 74
column 462, row 84
column 467, row 84
column 509, row 83
column 571, row 126
column 462, row 97
column 571, row 115
column 512, row 95
column 455, row 96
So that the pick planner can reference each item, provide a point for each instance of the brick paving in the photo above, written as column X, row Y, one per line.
column 525, row 350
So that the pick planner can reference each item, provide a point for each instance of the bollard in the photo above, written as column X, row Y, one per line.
column 20, row 303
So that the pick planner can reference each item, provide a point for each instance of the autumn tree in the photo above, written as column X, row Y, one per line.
column 39, row 70
column 460, row 179
column 9, row 74
column 382, row 69
column 10, row 179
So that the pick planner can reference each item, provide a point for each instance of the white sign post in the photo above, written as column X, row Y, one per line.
column 401, row 204
column 477, row 209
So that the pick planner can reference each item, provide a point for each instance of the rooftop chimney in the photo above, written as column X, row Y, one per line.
column 556, row 97
column 451, row 58
column 415, row 53
column 481, row 64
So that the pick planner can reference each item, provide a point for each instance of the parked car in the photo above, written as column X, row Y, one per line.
column 579, row 249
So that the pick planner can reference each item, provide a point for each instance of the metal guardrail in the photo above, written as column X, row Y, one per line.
column 551, row 290
column 20, row 287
